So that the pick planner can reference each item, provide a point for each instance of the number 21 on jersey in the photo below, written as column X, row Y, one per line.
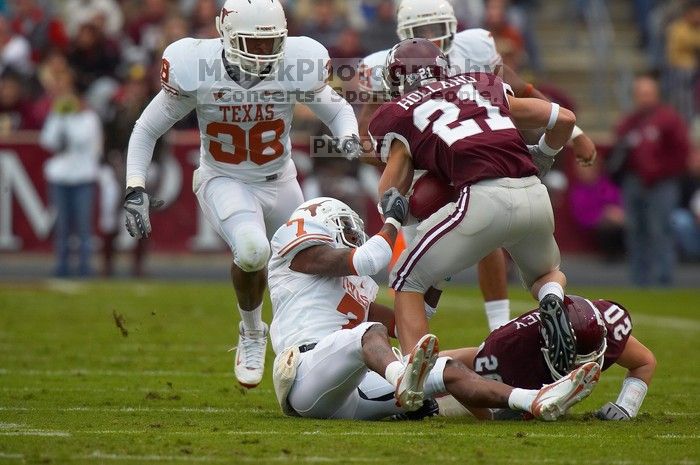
column 443, row 126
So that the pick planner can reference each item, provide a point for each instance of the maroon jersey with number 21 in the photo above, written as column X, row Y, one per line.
column 459, row 129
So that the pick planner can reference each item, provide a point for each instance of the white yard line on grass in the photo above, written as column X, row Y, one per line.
column 132, row 409
column 101, row 456
column 368, row 433
column 159, row 390
column 38, row 432
column 130, row 374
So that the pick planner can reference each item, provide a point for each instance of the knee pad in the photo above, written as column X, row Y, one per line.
column 251, row 248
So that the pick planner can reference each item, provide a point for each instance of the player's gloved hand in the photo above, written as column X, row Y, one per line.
column 612, row 411
column 542, row 161
column 350, row 146
column 394, row 207
column 137, row 204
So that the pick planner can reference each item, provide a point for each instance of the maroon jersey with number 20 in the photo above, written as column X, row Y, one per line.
column 459, row 129
column 512, row 354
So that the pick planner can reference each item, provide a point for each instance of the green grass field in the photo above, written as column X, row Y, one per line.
column 75, row 388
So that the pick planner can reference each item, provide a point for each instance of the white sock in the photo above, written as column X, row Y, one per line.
column 497, row 313
column 393, row 371
column 551, row 288
column 521, row 399
column 435, row 381
column 252, row 319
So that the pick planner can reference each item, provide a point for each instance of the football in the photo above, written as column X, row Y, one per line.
column 430, row 193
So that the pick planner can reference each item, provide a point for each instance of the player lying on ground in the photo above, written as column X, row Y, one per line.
column 463, row 129
column 469, row 50
column 334, row 359
column 243, row 86
column 517, row 353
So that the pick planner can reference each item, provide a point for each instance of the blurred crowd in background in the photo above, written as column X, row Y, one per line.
column 98, row 62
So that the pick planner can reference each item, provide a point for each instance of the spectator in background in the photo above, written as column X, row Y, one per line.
column 127, row 106
column 92, row 55
column 79, row 12
column 203, row 20
column 650, row 153
column 73, row 134
column 509, row 41
column 596, row 205
column 15, row 51
column 145, row 29
column 469, row 13
column 325, row 22
column 35, row 23
column 686, row 219
column 380, row 33
column 521, row 14
column 15, row 108
column 682, row 49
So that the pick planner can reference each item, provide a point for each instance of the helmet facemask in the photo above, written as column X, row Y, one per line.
column 257, row 50
column 439, row 29
column 555, row 358
column 349, row 229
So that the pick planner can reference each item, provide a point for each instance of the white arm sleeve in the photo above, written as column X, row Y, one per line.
column 334, row 112
column 159, row 116
column 51, row 133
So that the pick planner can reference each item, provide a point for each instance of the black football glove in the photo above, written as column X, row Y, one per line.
column 394, row 205
column 137, row 204
column 612, row 411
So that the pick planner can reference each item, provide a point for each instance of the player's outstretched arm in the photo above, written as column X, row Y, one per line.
column 366, row 260
column 530, row 113
column 158, row 117
column 641, row 365
column 584, row 148
column 339, row 117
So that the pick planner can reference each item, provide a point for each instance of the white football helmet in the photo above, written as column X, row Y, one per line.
column 243, row 23
column 427, row 19
column 347, row 226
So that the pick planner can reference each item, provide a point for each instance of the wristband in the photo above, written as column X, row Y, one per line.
column 529, row 89
column 136, row 181
column 553, row 116
column 577, row 131
column 546, row 149
column 394, row 222
column 371, row 257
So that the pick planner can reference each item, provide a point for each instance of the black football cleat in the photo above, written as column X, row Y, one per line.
column 558, row 335
column 428, row 409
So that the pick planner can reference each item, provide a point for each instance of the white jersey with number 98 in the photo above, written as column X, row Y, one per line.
column 244, row 132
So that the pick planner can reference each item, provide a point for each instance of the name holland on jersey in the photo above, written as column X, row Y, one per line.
column 465, row 92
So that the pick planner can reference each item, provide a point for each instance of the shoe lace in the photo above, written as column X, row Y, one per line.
column 398, row 354
column 253, row 348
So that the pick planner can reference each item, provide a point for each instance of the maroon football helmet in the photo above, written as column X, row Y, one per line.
column 413, row 63
column 589, row 332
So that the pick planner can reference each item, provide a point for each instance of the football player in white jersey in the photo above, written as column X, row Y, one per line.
column 243, row 87
column 334, row 359
column 468, row 51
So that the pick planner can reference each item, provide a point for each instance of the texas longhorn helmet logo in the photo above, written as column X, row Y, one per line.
column 225, row 13
column 313, row 207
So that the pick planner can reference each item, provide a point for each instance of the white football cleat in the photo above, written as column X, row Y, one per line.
column 554, row 400
column 409, row 389
column 250, row 356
